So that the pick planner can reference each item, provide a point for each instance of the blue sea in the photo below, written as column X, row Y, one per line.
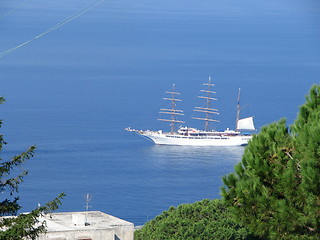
column 73, row 91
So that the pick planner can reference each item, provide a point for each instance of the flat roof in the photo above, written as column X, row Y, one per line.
column 91, row 220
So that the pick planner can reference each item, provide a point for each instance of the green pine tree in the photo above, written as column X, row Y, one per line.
column 275, row 189
column 307, row 142
column 23, row 225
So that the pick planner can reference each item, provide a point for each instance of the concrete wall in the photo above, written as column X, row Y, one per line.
column 124, row 232
column 105, row 234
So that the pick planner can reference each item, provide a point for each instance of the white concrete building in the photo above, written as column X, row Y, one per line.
column 92, row 225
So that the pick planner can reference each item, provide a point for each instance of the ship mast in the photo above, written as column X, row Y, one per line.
column 172, row 111
column 238, row 110
column 207, row 110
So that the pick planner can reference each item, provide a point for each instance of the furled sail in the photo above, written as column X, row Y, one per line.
column 246, row 124
column 172, row 111
column 207, row 110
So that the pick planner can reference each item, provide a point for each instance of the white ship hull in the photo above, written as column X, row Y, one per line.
column 176, row 139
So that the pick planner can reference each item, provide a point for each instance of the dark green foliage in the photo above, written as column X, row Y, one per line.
column 307, row 142
column 202, row 220
column 27, row 225
column 275, row 190
column 23, row 225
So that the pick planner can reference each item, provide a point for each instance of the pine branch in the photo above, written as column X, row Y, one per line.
column 28, row 225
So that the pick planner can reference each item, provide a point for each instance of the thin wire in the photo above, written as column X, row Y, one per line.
column 87, row 8
column 14, row 10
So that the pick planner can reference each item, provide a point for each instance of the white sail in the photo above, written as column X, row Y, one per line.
column 246, row 124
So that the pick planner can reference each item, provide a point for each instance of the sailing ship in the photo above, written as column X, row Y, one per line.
column 186, row 136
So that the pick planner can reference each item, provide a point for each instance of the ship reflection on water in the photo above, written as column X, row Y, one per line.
column 196, row 154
